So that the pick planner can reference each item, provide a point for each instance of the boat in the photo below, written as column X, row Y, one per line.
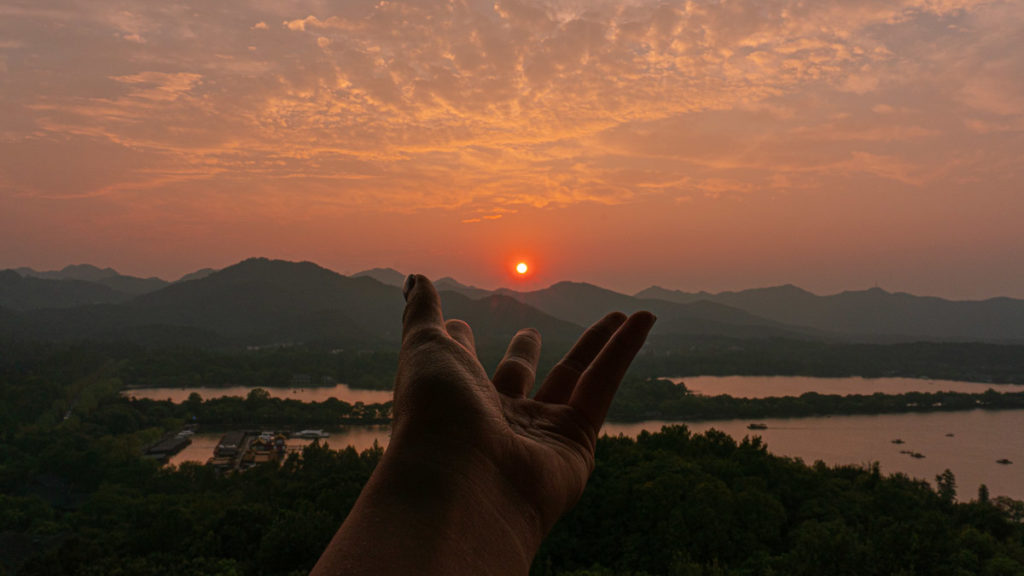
column 917, row 455
column 310, row 434
column 1004, row 461
column 231, row 443
column 897, row 441
column 757, row 426
column 167, row 447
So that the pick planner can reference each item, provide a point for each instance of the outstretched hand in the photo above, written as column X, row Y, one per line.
column 544, row 446
column 491, row 469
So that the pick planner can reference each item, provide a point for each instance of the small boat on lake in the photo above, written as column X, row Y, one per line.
column 1004, row 461
column 757, row 426
column 897, row 441
column 310, row 434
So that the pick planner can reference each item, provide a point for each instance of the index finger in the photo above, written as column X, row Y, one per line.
column 422, row 305
column 558, row 386
column 598, row 383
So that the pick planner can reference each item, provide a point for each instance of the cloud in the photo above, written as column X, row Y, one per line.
column 405, row 105
column 159, row 86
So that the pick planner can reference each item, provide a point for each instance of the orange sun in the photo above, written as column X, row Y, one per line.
column 521, row 268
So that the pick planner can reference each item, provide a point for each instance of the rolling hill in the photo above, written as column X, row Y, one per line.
column 263, row 302
column 583, row 304
column 872, row 314
column 22, row 293
column 106, row 276
column 260, row 301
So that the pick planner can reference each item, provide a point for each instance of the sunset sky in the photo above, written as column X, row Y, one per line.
column 715, row 145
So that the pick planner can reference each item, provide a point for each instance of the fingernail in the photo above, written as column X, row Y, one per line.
column 410, row 282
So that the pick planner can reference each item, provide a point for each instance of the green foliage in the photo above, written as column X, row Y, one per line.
column 946, row 486
column 678, row 503
column 77, row 498
column 255, row 411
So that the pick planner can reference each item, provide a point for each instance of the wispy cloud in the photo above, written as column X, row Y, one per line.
column 483, row 106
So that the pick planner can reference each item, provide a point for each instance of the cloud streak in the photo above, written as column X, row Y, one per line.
column 482, row 106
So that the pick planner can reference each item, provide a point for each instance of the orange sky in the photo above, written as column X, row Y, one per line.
column 835, row 144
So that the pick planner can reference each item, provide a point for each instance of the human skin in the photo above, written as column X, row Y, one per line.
column 476, row 474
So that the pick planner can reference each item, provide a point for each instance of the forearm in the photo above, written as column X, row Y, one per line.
column 417, row 515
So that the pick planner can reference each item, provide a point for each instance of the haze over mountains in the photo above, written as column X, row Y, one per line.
column 264, row 302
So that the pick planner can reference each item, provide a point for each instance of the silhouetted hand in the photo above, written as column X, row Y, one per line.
column 476, row 473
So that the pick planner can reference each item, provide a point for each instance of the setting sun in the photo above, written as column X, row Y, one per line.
column 521, row 268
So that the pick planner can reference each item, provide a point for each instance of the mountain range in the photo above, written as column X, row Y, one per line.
column 260, row 302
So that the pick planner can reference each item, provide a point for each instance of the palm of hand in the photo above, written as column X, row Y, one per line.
column 542, row 447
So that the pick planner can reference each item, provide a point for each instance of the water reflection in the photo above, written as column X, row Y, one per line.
column 968, row 443
column 768, row 386
column 312, row 394
column 978, row 438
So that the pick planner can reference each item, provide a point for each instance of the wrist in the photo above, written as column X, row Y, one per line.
column 444, row 511
column 463, row 493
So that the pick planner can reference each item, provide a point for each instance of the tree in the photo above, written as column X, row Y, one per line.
column 257, row 395
column 946, row 486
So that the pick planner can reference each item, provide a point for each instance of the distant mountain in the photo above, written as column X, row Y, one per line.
column 584, row 304
column 86, row 272
column 388, row 276
column 201, row 273
column 261, row 301
column 575, row 301
column 19, row 292
column 873, row 313
column 452, row 285
column 496, row 318
column 268, row 300
column 678, row 296
column 105, row 276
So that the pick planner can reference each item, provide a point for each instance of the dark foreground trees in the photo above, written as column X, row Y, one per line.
column 665, row 503
column 76, row 497
column 678, row 503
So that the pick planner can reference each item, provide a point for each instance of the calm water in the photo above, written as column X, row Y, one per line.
column 767, row 386
column 979, row 439
column 738, row 386
column 313, row 394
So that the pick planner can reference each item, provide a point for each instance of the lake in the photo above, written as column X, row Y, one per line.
column 311, row 394
column 738, row 386
column 767, row 386
column 979, row 439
